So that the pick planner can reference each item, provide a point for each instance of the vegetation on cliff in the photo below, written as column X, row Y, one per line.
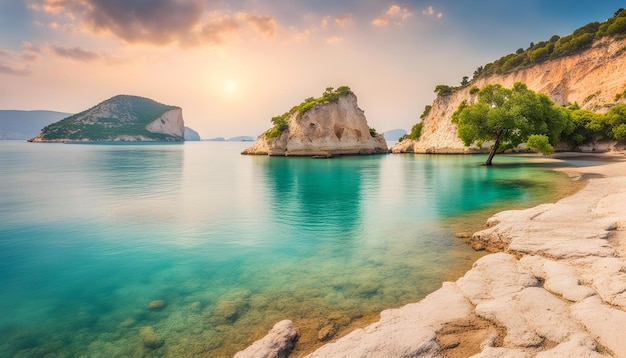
column 556, row 46
column 509, row 117
column 329, row 95
column 120, row 115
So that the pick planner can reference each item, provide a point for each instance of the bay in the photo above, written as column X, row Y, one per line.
column 90, row 234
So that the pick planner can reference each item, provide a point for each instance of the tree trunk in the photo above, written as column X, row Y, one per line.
column 495, row 146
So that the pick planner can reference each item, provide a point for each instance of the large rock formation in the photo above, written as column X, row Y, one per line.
column 327, row 129
column 591, row 78
column 121, row 118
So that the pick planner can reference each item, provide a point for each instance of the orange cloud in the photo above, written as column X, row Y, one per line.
column 334, row 40
column 19, row 63
column 343, row 19
column 75, row 53
column 429, row 11
column 395, row 14
column 160, row 23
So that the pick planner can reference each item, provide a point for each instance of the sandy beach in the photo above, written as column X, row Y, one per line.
column 555, row 287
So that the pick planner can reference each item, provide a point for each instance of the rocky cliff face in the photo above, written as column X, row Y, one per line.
column 335, row 128
column 591, row 78
column 121, row 118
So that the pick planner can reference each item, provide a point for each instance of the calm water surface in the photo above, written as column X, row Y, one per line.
column 91, row 234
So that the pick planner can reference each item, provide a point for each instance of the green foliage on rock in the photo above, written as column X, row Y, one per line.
column 444, row 90
column 416, row 131
column 508, row 117
column 426, row 111
column 127, row 115
column 556, row 47
column 329, row 95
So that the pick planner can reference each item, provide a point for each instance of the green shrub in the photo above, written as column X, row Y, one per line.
column 541, row 143
column 416, row 131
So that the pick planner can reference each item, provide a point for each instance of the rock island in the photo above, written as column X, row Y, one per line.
column 327, row 126
column 122, row 118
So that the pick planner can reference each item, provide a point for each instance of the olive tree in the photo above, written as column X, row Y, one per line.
column 508, row 117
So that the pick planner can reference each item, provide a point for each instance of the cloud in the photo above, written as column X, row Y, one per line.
column 156, row 22
column 75, row 53
column 217, row 28
column 395, row 14
column 429, row 11
column 18, row 63
column 334, row 40
column 343, row 19
column 265, row 25
column 14, row 71
column 301, row 36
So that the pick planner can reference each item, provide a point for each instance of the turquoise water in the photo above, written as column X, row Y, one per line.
column 91, row 234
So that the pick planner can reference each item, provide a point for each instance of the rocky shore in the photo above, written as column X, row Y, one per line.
column 555, row 288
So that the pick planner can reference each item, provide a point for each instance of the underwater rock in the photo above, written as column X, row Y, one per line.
column 326, row 332
column 127, row 322
column 157, row 305
column 278, row 343
column 228, row 310
column 149, row 338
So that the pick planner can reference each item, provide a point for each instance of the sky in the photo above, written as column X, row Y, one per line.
column 233, row 65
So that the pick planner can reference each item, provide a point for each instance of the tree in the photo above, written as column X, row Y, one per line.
column 443, row 90
column 508, row 117
column 465, row 81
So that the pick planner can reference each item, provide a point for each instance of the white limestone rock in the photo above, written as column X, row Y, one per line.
column 605, row 323
column 278, row 343
column 590, row 78
column 409, row 331
column 495, row 276
column 329, row 129
column 559, row 278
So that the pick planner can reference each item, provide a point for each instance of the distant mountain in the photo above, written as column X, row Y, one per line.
column 26, row 124
column 121, row 118
column 242, row 138
column 191, row 135
column 394, row 134
column 218, row 139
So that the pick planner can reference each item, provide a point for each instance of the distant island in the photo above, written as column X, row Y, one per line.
column 191, row 135
column 120, row 118
column 394, row 134
column 16, row 124
column 330, row 125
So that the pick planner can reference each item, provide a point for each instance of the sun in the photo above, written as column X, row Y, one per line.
column 230, row 87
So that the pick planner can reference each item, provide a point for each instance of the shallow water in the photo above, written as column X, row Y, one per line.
column 91, row 234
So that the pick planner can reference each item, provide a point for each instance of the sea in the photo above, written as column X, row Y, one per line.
column 194, row 250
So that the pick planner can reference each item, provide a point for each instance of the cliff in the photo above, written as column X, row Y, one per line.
column 592, row 78
column 121, row 118
column 336, row 127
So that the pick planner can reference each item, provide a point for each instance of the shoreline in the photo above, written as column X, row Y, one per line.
column 533, row 297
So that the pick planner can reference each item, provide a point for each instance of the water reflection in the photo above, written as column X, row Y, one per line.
column 320, row 197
